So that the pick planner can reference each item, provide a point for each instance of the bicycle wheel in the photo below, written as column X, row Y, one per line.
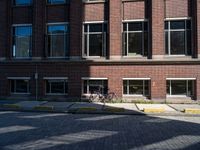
column 111, row 97
column 93, row 98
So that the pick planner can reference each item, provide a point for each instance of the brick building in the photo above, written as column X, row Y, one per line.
column 65, row 49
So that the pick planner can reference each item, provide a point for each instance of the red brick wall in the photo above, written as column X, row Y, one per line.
column 133, row 10
column 94, row 12
column 22, row 15
column 157, row 28
column 176, row 8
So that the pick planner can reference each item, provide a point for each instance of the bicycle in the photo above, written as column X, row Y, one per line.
column 97, row 96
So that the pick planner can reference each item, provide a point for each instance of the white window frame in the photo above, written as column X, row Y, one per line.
column 88, row 79
column 185, row 19
column 127, row 37
column 133, row 79
column 182, row 79
column 104, row 38
column 19, row 78
column 64, row 79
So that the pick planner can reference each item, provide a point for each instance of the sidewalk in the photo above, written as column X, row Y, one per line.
column 100, row 108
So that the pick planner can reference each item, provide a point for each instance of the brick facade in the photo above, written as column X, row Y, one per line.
column 156, row 66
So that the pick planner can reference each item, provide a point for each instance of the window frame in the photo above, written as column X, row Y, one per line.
column 30, row 44
column 169, row 31
column 90, row 79
column 104, row 38
column 67, row 47
column 143, row 84
column 65, row 81
column 187, row 88
column 127, row 22
column 18, row 79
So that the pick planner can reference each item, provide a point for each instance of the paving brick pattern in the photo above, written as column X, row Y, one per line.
column 98, row 132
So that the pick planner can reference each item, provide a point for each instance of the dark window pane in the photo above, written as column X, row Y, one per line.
column 57, row 1
column 57, row 29
column 124, row 26
column 146, row 26
column 136, row 87
column 178, row 87
column 166, row 25
column 22, row 2
column 48, row 87
column 95, row 27
column 136, row 26
column 146, row 88
column 21, row 86
column 95, row 45
column 189, row 42
column 178, row 42
column 188, row 24
column 125, row 87
column 85, row 86
column 124, row 35
column 12, row 84
column 135, row 43
column 57, row 87
column 166, row 43
column 177, row 24
column 168, row 87
column 146, row 47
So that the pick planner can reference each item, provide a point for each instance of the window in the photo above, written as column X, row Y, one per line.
column 22, row 41
column 135, row 38
column 22, row 2
column 136, row 87
column 90, row 86
column 20, row 86
column 57, row 1
column 180, row 87
column 178, row 37
column 58, row 40
column 56, row 87
column 94, row 40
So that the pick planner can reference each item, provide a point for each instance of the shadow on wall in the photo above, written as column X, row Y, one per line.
column 24, row 131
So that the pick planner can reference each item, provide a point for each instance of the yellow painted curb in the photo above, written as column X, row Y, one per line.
column 154, row 110
column 87, row 109
column 114, row 109
column 44, row 108
column 13, row 106
column 192, row 111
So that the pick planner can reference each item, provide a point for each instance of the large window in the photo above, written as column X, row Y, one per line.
column 56, row 87
column 180, row 87
column 136, row 87
column 22, row 2
column 94, row 40
column 135, row 38
column 90, row 86
column 22, row 41
column 20, row 86
column 178, row 37
column 58, row 40
column 57, row 1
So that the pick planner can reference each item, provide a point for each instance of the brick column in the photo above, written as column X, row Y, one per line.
column 115, row 23
column 157, row 28
column 76, row 13
column 39, row 23
column 4, row 31
column 158, row 88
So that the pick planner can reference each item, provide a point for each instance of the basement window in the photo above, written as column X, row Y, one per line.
column 20, row 86
column 56, row 87
column 180, row 87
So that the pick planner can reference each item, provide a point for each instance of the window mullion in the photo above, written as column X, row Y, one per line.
column 169, row 38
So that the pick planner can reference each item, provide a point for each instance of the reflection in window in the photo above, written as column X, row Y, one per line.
column 58, row 40
column 95, row 40
column 91, row 86
column 135, row 38
column 178, row 37
column 56, row 87
column 22, row 41
column 22, row 2
column 57, row 1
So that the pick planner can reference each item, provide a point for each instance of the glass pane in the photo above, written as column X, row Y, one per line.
column 85, row 86
column 136, row 87
column 57, row 87
column 125, row 88
column 146, row 88
column 136, row 26
column 177, row 24
column 21, row 47
column 168, row 87
column 124, row 35
column 57, row 29
column 189, row 43
column 48, row 87
column 12, row 84
column 22, row 2
column 21, row 86
column 166, row 42
column 178, row 87
column 166, row 25
column 177, row 42
column 125, row 26
column 190, row 88
column 135, row 43
column 95, row 28
column 56, row 1
column 95, row 44
column 189, row 24
column 56, row 45
column 146, row 47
